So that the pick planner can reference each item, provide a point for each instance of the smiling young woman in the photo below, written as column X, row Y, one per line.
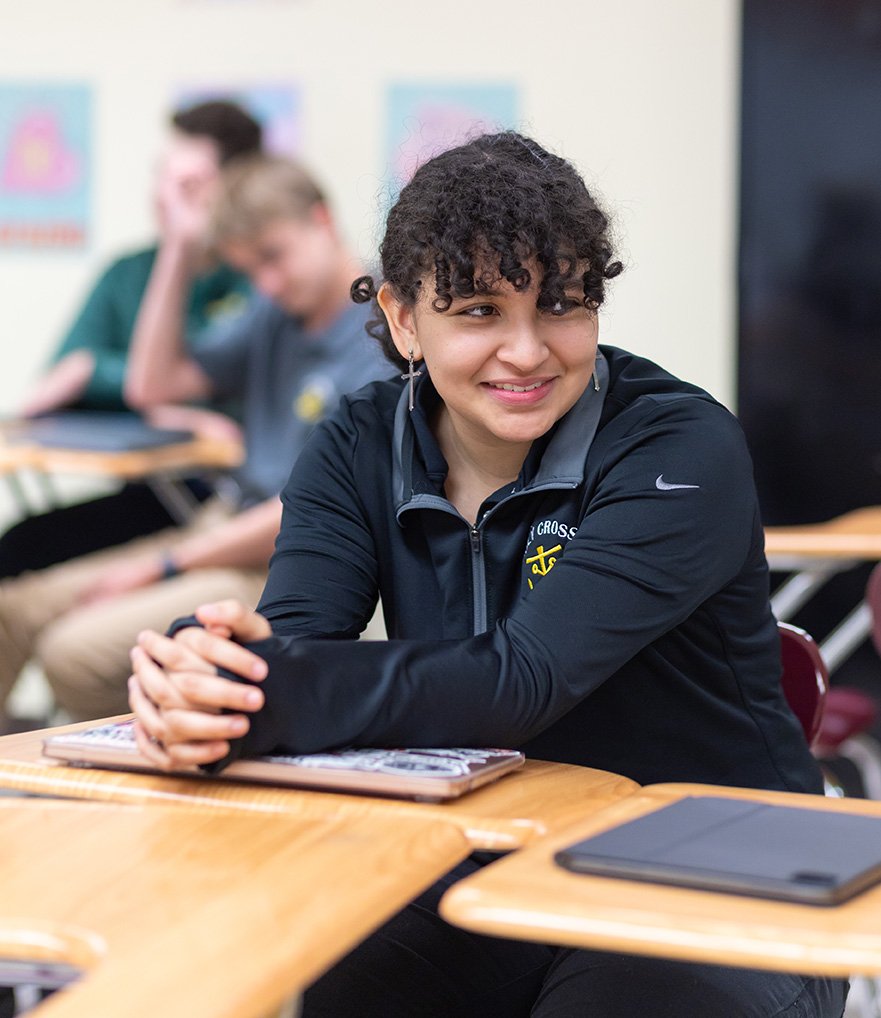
column 567, row 545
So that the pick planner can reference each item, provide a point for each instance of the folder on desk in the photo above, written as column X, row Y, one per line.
column 428, row 774
column 98, row 431
column 737, row 846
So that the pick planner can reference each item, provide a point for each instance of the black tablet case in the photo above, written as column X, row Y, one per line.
column 99, row 431
column 736, row 846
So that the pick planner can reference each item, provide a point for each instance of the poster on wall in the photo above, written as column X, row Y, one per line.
column 45, row 152
column 424, row 120
column 276, row 106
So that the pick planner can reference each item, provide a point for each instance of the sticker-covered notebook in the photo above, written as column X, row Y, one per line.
column 430, row 774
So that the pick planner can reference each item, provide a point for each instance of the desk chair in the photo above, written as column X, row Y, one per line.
column 835, row 720
column 805, row 679
column 829, row 717
column 851, row 713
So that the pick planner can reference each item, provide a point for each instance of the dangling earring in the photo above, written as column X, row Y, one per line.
column 596, row 381
column 410, row 377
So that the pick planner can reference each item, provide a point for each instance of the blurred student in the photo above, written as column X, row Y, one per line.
column 89, row 366
column 299, row 347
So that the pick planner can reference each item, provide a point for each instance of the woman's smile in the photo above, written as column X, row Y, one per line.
column 520, row 393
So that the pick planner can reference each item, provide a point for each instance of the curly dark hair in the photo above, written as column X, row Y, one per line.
column 475, row 214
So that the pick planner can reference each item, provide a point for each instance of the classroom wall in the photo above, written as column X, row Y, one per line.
column 641, row 95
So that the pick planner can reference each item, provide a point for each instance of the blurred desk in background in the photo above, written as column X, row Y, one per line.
column 158, row 457
column 814, row 553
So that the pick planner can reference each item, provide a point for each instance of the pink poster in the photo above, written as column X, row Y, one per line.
column 45, row 151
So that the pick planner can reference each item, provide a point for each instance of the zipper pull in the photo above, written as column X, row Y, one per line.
column 475, row 540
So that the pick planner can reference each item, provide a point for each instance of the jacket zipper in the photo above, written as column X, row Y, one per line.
column 478, row 562
column 478, row 582
column 475, row 535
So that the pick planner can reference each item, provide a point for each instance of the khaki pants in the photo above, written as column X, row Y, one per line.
column 84, row 650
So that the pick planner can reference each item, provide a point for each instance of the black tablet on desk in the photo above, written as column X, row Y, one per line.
column 811, row 856
column 95, row 431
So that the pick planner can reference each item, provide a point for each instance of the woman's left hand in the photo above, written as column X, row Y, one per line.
column 171, row 732
column 178, row 697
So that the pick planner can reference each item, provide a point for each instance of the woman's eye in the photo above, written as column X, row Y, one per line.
column 479, row 311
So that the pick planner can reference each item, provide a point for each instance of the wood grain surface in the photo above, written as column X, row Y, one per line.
column 539, row 798
column 179, row 913
column 528, row 896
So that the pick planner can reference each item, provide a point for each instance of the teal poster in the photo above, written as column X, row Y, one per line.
column 45, row 165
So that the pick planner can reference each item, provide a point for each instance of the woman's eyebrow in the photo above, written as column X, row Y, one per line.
column 484, row 291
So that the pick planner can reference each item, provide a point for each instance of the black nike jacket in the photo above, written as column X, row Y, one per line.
column 609, row 609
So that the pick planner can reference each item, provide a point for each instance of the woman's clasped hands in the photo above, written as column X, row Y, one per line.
column 185, row 712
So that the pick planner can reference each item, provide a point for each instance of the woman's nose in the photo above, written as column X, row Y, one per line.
column 523, row 347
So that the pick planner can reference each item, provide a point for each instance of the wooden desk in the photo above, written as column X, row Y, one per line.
column 855, row 536
column 527, row 896
column 540, row 798
column 129, row 465
column 159, row 466
column 183, row 914
column 814, row 553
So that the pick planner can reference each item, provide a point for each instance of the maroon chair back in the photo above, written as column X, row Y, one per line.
column 805, row 678
column 873, row 600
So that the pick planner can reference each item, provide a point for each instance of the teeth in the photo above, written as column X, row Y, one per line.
column 518, row 388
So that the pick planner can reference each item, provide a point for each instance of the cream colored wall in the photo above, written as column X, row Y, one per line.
column 641, row 94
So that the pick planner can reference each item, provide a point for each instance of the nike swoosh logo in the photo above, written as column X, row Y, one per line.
column 663, row 485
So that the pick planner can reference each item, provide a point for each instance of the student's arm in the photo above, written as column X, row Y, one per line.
column 203, row 423
column 160, row 369
column 62, row 385
column 243, row 542
column 90, row 360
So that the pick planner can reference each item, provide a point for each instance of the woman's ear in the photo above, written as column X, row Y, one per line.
column 401, row 320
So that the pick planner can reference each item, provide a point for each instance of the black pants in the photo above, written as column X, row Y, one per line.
column 61, row 534
column 418, row 966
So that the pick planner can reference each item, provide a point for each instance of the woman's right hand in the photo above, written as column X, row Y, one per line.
column 180, row 702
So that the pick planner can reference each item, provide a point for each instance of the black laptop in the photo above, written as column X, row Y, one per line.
column 812, row 856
